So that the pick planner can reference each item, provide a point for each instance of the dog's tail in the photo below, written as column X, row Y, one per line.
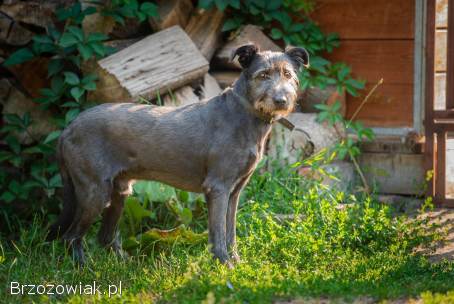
column 66, row 216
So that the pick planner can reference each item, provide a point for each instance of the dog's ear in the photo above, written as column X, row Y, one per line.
column 299, row 56
column 245, row 53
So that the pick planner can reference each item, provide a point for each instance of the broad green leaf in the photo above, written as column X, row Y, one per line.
column 43, row 39
column 7, row 197
column 276, row 33
column 19, row 56
column 55, row 181
column 71, row 115
column 77, row 92
column 52, row 136
column 85, row 51
column 150, row 9
column 221, row 4
column 54, row 67
column 77, row 32
column 154, row 191
column 96, row 37
column 67, row 40
column 71, row 78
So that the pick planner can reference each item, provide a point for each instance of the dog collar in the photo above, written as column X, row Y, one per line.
column 263, row 117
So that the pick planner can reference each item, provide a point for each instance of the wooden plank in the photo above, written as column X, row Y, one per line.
column 441, row 19
column 163, row 61
column 372, row 60
column 440, row 91
column 171, row 12
column 390, row 106
column 441, row 40
column 429, row 155
column 204, row 28
column 249, row 33
column 392, row 103
column 225, row 78
column 359, row 19
column 440, row 182
column 450, row 58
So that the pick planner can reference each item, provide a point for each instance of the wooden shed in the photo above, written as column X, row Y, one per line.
column 405, row 43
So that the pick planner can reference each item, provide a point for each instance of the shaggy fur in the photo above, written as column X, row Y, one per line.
column 211, row 147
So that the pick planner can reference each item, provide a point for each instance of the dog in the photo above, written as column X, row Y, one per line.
column 211, row 147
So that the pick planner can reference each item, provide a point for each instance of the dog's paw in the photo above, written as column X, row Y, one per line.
column 235, row 257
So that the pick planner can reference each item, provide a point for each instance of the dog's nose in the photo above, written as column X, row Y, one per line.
column 280, row 101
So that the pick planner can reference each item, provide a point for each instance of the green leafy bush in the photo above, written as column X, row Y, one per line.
column 289, row 21
column 28, row 172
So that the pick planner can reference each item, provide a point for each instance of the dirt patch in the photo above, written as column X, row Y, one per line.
column 445, row 248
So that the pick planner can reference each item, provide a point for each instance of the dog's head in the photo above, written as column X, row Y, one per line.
column 272, row 77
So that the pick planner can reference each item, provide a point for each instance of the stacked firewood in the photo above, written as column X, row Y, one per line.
column 179, row 58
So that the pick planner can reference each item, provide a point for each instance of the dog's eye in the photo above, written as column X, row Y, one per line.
column 264, row 75
column 287, row 74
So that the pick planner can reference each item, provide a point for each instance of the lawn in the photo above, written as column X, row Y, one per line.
column 333, row 246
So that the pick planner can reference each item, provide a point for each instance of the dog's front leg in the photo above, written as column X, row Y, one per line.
column 217, row 199
column 231, row 217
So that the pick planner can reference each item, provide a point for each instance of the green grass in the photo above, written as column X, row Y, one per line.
column 324, row 251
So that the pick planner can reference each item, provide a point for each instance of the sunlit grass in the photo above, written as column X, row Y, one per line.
column 321, row 251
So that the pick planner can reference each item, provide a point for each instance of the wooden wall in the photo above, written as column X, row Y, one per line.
column 441, row 23
column 377, row 39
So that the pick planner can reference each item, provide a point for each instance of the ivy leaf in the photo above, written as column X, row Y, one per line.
column 235, row 4
column 85, row 51
column 149, row 9
column 231, row 24
column 71, row 78
column 54, row 67
column 96, row 37
column 77, row 92
column 221, row 4
column 99, row 49
column 19, row 56
column 276, row 33
column 206, row 4
column 77, row 32
column 67, row 40
column 43, row 39
column 52, row 136
column 55, row 181
column 71, row 115
column 7, row 197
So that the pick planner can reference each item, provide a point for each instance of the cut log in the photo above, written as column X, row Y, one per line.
column 131, row 29
column 210, row 87
column 29, row 12
column 181, row 97
column 204, row 28
column 225, row 78
column 13, row 33
column 250, row 33
column 307, row 138
column 122, row 43
column 171, row 12
column 15, row 102
column 162, row 61
column 312, row 96
column 32, row 75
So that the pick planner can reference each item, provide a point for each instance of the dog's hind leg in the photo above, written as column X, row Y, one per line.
column 89, row 207
column 108, row 235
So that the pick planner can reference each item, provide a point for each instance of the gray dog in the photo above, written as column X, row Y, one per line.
column 211, row 147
